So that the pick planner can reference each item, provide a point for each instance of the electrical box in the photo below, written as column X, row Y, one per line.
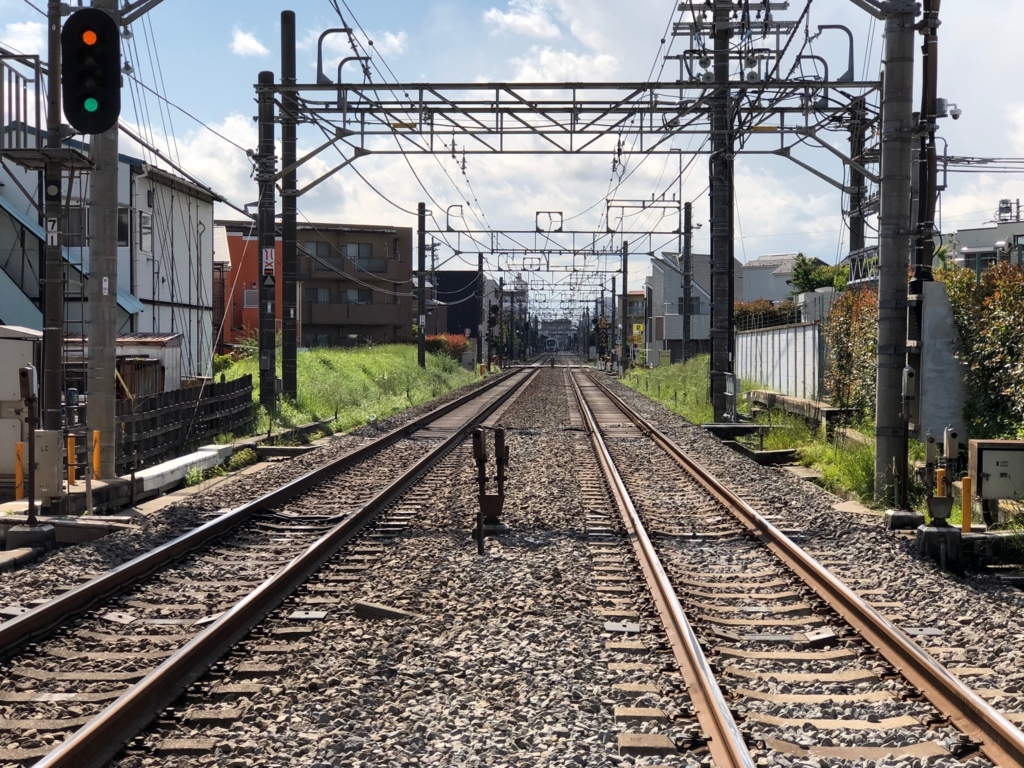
column 49, row 463
column 997, row 468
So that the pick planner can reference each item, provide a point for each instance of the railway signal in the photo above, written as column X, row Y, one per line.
column 91, row 77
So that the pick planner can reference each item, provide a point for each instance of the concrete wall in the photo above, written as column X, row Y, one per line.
column 942, row 373
column 787, row 358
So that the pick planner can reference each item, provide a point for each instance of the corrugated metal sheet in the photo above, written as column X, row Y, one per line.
column 221, row 254
column 15, row 307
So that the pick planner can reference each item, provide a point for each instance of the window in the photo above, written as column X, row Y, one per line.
column 695, row 305
column 250, row 298
column 318, row 296
column 361, row 255
column 145, row 232
column 124, row 224
column 319, row 250
column 317, row 339
column 357, row 296
column 75, row 227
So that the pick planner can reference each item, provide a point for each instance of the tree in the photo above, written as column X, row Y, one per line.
column 811, row 274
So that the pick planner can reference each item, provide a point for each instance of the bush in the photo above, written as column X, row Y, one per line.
column 221, row 363
column 809, row 276
column 987, row 315
column 763, row 314
column 451, row 345
column 242, row 459
column 851, row 338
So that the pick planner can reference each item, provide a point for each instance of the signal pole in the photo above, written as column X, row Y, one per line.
column 421, row 287
column 721, row 168
column 624, row 353
column 687, row 279
column 289, row 244
column 102, row 294
column 480, row 308
column 267, row 163
column 53, row 273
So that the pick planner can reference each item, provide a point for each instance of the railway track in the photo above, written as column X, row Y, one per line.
column 159, row 621
column 782, row 661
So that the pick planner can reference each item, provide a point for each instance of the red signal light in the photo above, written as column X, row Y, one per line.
column 89, row 37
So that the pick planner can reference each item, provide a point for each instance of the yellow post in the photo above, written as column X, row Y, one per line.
column 940, row 481
column 19, row 471
column 966, row 505
column 96, row 454
column 71, row 460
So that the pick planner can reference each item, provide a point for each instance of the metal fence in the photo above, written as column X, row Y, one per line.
column 788, row 359
column 158, row 427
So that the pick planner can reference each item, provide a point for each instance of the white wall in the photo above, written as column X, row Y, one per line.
column 787, row 359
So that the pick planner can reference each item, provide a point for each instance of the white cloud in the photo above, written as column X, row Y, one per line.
column 1015, row 114
column 246, row 44
column 25, row 37
column 387, row 43
column 524, row 17
column 548, row 65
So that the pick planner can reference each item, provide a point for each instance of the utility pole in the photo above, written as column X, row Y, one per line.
column 421, row 286
column 268, row 246
column 925, row 243
column 480, row 308
column 102, row 292
column 53, row 272
column 624, row 354
column 501, row 321
column 687, row 279
column 857, row 175
column 721, row 183
column 894, row 244
column 289, row 205
column 614, row 300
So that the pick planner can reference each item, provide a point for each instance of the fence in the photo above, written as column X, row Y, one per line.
column 787, row 358
column 160, row 426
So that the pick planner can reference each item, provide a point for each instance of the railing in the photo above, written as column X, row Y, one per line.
column 864, row 266
column 160, row 426
column 22, row 96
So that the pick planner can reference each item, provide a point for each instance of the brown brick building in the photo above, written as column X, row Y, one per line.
column 355, row 284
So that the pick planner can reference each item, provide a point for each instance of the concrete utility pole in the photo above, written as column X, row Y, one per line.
column 289, row 205
column 267, row 162
column 722, row 341
column 687, row 279
column 480, row 308
column 894, row 243
column 613, row 299
column 624, row 354
column 53, row 272
column 501, row 321
column 857, row 188
column 421, row 286
column 102, row 294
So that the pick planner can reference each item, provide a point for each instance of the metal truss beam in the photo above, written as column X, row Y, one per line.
column 560, row 118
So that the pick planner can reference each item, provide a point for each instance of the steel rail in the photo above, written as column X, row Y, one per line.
column 999, row 739
column 55, row 612
column 725, row 741
column 101, row 738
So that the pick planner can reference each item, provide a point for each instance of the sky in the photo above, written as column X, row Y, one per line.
column 204, row 56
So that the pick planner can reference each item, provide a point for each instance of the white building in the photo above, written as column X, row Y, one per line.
column 165, row 254
column 663, row 329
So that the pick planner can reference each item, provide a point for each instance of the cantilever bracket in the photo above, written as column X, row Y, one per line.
column 813, row 134
column 136, row 10
column 785, row 152
column 340, row 133
column 358, row 152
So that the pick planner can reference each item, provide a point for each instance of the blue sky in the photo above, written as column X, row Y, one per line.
column 211, row 51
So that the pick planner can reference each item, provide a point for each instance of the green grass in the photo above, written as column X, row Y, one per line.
column 682, row 388
column 354, row 387
column 845, row 466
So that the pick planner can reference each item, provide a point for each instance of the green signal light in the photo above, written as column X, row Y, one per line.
column 91, row 105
